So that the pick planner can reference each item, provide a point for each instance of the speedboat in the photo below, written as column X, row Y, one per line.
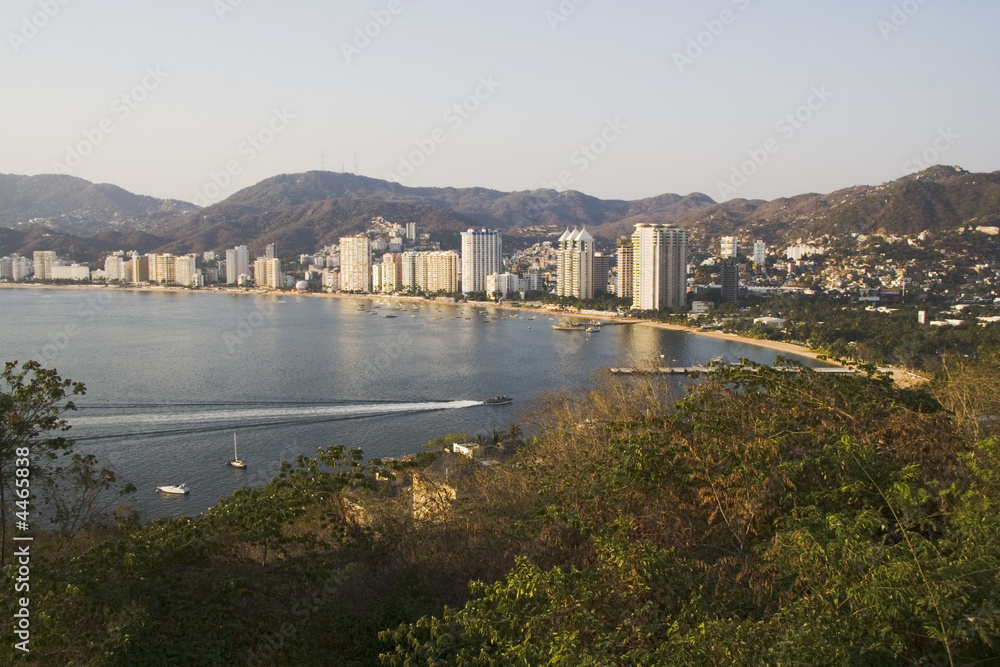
column 498, row 400
column 180, row 489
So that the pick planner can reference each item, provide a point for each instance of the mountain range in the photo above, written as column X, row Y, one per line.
column 301, row 212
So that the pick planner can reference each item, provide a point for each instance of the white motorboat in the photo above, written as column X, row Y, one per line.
column 180, row 489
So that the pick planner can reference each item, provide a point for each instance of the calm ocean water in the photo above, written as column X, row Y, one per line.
column 171, row 376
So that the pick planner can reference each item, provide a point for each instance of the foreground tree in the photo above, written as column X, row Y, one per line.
column 32, row 403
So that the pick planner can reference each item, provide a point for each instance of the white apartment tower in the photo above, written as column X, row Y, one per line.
column 659, row 273
column 482, row 256
column 114, row 268
column 759, row 253
column 267, row 273
column 44, row 260
column 186, row 271
column 443, row 268
column 431, row 272
column 163, row 269
column 237, row 264
column 355, row 264
column 575, row 268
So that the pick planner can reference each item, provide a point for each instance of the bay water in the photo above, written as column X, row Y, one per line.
column 172, row 375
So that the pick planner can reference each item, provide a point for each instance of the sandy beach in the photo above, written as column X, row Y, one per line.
column 769, row 344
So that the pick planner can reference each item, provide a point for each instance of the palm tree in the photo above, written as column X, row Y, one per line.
column 513, row 435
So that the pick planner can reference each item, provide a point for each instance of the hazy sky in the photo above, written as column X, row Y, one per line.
column 770, row 98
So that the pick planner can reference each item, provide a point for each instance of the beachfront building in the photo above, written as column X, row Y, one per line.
column 499, row 285
column 623, row 280
column 44, row 260
column 267, row 273
column 575, row 267
column 355, row 264
column 482, row 256
column 602, row 272
column 15, row 267
column 391, row 277
column 659, row 272
column 430, row 272
column 75, row 272
column 237, row 264
column 114, row 268
column 186, row 271
column 162, row 269
column 443, row 268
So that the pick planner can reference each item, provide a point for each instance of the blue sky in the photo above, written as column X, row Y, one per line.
column 615, row 99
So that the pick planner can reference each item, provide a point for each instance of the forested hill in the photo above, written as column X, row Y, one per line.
column 301, row 211
column 333, row 204
column 937, row 198
column 70, row 205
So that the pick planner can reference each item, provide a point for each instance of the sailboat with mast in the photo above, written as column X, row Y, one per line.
column 235, row 461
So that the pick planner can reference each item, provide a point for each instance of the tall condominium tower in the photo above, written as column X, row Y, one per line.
column 355, row 264
column 623, row 281
column 237, row 264
column 186, row 271
column 730, row 271
column 44, row 260
column 659, row 267
column 575, row 268
column 759, row 253
column 482, row 255
column 267, row 273
column 114, row 268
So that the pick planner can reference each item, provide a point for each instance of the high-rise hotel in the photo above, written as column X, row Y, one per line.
column 482, row 256
column 355, row 264
column 237, row 264
column 575, row 268
column 659, row 267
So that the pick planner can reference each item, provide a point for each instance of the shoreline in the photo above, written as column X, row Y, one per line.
column 777, row 346
column 902, row 378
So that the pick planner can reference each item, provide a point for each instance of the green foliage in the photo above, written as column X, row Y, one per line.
column 770, row 516
column 33, row 401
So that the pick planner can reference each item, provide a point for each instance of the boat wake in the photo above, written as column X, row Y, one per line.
column 170, row 421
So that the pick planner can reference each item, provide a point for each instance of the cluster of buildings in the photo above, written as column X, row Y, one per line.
column 650, row 268
column 478, row 268
column 44, row 265
column 156, row 269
